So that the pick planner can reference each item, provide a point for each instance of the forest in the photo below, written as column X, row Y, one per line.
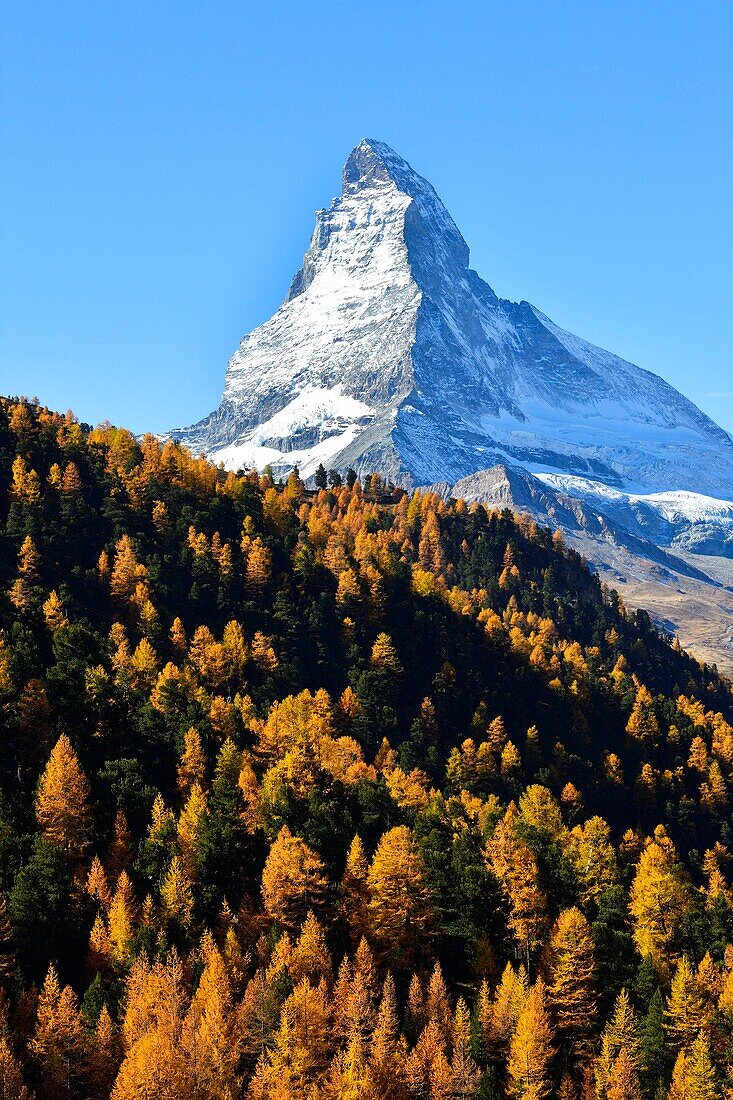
column 343, row 793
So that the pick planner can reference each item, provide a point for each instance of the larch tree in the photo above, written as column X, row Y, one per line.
column 354, row 891
column 12, row 1086
column 53, row 612
column 386, row 1062
column 437, row 1003
column 293, row 880
column 642, row 724
column 593, row 856
column 208, row 1033
column 302, row 1042
column 189, row 829
column 509, row 1000
column 258, row 569
column 399, row 898
column 465, row 1072
column 570, row 974
column 178, row 638
column 693, row 1077
column 384, row 655
column 658, row 900
column 99, row 952
column 357, row 1016
column 685, row 1010
column 515, row 865
column 365, row 967
column 257, row 1018
column 623, row 1080
column 97, row 886
column 176, row 894
column 440, row 1078
column 23, row 590
column 621, row 1033
column 119, row 856
column 311, row 956
column 58, row 1042
column 105, row 1056
column 530, row 1050
column 154, row 1067
column 62, row 802
column 419, row 1065
column 127, row 573
column 122, row 914
column 348, row 1077
column 415, row 1016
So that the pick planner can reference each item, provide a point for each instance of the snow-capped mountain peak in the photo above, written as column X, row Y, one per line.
column 390, row 353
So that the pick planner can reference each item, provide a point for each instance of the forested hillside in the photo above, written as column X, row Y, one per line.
column 341, row 794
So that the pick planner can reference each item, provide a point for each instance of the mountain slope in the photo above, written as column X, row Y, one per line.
column 273, row 757
column 390, row 353
column 666, row 552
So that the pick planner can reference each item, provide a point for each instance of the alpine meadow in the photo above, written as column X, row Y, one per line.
column 333, row 790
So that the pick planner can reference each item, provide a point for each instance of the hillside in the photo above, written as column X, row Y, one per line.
column 341, row 792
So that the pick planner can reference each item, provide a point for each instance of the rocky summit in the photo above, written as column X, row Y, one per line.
column 390, row 353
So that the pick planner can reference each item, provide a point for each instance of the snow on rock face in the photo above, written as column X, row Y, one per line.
column 390, row 353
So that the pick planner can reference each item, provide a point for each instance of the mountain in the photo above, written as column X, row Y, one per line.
column 390, row 353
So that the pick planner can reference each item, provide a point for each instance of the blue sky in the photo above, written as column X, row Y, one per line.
column 162, row 162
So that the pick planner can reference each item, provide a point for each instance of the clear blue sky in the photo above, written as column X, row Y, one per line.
column 162, row 162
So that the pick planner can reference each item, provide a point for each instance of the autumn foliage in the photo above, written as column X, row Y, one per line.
column 341, row 792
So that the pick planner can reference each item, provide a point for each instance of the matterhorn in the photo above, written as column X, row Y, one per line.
column 389, row 353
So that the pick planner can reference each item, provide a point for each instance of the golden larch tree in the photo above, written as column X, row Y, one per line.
column 105, row 1056
column 127, row 572
column 464, row 1070
column 208, row 1033
column 311, row 957
column 530, row 1050
column 658, row 900
column 386, row 1061
column 620, row 1034
column 509, row 1000
column 570, row 972
column 354, row 891
column 515, row 865
column 293, row 880
column 122, row 914
column 399, row 898
column 685, row 1010
column 58, row 1042
column 693, row 1077
column 623, row 1081
column 642, row 724
column 12, row 1086
column 190, row 824
column 62, row 802
column 176, row 894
